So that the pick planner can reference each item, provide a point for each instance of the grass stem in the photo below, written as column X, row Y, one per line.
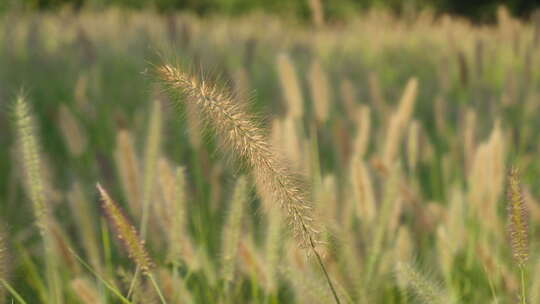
column 156, row 287
column 13, row 292
column 321, row 264
column 523, row 297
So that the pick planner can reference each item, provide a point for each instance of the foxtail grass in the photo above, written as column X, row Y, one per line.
column 246, row 140
column 363, row 130
column 272, row 249
column 488, row 161
column 128, row 167
column 362, row 192
column 469, row 133
column 126, row 232
column 376, row 95
column 317, row 12
column 241, row 135
column 172, row 212
column 32, row 167
column 348, row 97
column 151, row 154
column 128, row 236
column 423, row 288
column 320, row 91
column 399, row 122
column 412, row 145
column 79, row 206
column 290, row 85
column 73, row 134
column 518, row 228
column 233, row 229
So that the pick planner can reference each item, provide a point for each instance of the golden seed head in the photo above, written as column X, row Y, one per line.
column 126, row 233
column 517, row 219
column 245, row 140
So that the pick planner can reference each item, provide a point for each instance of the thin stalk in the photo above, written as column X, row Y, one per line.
column 151, row 277
column 107, row 284
column 523, row 293
column 13, row 292
column 491, row 286
column 133, row 281
column 330, row 284
column 106, row 247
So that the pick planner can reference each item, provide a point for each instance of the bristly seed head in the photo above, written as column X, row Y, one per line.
column 239, row 134
column 517, row 219
column 126, row 232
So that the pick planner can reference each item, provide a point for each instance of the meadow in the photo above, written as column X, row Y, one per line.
column 152, row 158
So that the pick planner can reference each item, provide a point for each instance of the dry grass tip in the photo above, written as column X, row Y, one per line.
column 126, row 232
column 517, row 219
column 247, row 141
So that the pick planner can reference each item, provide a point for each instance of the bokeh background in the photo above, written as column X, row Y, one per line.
column 403, row 116
column 479, row 11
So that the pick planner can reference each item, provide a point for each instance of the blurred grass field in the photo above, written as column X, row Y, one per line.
column 405, row 128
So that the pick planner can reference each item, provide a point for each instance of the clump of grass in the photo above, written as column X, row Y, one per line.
column 518, row 227
column 241, row 135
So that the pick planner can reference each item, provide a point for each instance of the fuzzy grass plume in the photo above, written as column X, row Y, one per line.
column 517, row 219
column 241, row 135
column 151, row 155
column 127, row 164
column 126, row 232
column 290, row 85
column 28, row 146
column 232, row 229
column 518, row 228
column 129, row 238
column 423, row 289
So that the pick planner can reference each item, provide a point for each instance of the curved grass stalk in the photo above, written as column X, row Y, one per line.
column 247, row 142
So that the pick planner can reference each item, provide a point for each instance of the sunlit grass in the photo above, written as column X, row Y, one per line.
column 371, row 155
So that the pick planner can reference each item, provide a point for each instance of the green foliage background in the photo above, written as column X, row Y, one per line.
column 482, row 10
column 93, row 63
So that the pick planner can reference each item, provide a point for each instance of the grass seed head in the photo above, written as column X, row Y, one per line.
column 517, row 219
column 126, row 233
column 247, row 141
